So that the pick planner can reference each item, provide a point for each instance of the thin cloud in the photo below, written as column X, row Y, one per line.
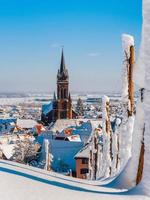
column 55, row 45
column 94, row 54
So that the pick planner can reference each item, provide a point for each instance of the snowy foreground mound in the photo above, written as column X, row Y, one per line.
column 27, row 183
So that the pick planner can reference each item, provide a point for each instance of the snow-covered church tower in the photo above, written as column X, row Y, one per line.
column 61, row 106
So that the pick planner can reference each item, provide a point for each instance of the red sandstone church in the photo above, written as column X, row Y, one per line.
column 61, row 106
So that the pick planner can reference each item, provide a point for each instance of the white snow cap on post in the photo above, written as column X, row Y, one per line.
column 105, row 99
column 127, row 42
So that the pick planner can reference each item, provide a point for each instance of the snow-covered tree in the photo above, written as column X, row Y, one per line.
column 80, row 107
column 23, row 150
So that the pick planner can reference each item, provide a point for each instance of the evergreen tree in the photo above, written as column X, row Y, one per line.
column 80, row 107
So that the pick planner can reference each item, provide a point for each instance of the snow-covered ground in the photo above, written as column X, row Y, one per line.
column 27, row 183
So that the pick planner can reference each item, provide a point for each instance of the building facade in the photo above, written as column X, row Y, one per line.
column 82, row 167
column 82, row 162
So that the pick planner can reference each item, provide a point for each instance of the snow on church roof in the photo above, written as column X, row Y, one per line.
column 46, row 108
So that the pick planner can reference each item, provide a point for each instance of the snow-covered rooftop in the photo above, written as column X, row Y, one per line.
column 61, row 124
column 64, row 151
column 26, row 123
column 46, row 108
column 7, row 150
column 84, row 152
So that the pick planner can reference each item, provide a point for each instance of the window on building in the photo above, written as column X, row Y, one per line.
column 84, row 171
column 84, row 160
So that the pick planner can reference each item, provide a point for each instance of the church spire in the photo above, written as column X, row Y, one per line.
column 62, row 64
column 62, row 74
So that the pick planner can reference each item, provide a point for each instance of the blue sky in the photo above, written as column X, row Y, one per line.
column 33, row 31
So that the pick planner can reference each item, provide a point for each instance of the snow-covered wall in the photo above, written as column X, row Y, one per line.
column 142, row 78
column 128, row 176
column 145, row 60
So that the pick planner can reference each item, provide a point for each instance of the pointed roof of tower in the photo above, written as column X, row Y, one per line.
column 62, row 72
column 62, row 64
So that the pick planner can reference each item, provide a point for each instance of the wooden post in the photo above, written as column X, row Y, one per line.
column 95, row 156
column 130, row 80
column 141, row 158
column 117, row 161
column 90, row 164
column 108, row 129
column 141, row 161
column 108, row 125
